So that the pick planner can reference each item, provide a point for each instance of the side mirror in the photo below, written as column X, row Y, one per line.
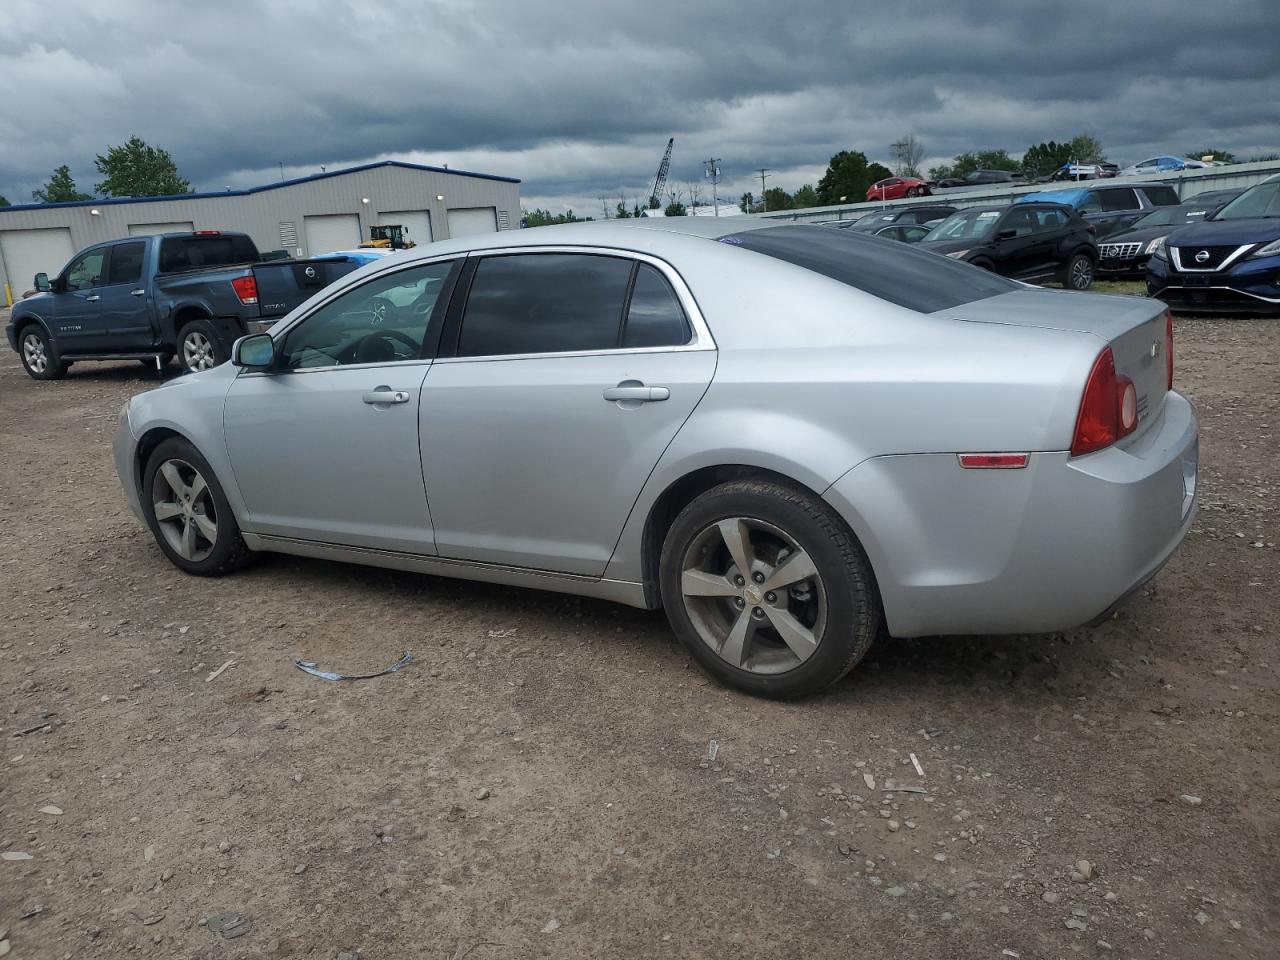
column 255, row 352
column 1008, row 233
column 42, row 283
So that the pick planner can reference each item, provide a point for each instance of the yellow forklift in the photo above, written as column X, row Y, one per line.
column 387, row 237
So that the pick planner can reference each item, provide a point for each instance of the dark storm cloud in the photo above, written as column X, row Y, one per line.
column 579, row 98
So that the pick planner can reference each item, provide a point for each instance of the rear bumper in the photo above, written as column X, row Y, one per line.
column 1037, row 550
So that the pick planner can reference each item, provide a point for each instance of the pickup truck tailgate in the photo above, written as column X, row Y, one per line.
column 284, row 284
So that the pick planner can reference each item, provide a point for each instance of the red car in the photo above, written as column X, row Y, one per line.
column 897, row 187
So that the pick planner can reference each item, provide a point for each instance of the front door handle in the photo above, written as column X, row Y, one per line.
column 635, row 390
column 139, row 292
column 385, row 395
column 93, row 299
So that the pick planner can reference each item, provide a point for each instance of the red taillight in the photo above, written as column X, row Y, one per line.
column 207, row 233
column 993, row 461
column 1108, row 409
column 1168, row 345
column 246, row 289
column 1092, row 228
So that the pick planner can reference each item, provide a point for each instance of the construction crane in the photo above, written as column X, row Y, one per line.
column 660, row 181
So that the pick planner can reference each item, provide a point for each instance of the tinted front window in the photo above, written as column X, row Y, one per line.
column 86, row 271
column 1162, row 196
column 1091, row 204
column 215, row 250
column 900, row 274
column 381, row 321
column 126, row 262
column 1260, row 201
column 544, row 303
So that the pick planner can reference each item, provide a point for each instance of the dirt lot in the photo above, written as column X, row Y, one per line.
column 349, row 817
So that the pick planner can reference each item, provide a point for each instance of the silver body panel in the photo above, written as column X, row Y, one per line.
column 517, row 469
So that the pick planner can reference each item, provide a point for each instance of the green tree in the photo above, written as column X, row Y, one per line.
column 746, row 203
column 775, row 198
column 137, row 169
column 61, row 188
column 676, row 209
column 1043, row 158
column 545, row 218
column 3, row 201
column 1223, row 156
column 1086, row 148
column 806, row 196
column 847, row 178
column 621, row 212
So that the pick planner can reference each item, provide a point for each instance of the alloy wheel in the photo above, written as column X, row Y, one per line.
column 1082, row 273
column 184, row 510
column 34, row 354
column 197, row 351
column 753, row 595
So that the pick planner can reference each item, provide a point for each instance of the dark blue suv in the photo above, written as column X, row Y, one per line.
column 1227, row 263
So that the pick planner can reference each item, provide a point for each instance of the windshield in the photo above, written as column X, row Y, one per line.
column 964, row 225
column 1260, row 201
column 1165, row 216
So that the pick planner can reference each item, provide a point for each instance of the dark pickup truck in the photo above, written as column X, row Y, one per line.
column 184, row 295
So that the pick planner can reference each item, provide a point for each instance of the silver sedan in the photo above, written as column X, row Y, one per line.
column 787, row 437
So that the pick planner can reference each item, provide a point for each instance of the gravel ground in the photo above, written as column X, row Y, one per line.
column 538, row 782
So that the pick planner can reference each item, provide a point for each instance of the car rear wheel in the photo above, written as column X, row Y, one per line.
column 38, row 357
column 768, row 589
column 914, row 192
column 1078, row 273
column 200, row 347
column 188, row 511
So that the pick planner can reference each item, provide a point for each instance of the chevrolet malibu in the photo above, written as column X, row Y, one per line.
column 782, row 435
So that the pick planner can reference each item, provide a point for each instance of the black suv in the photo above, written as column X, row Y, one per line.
column 1111, row 207
column 1026, row 241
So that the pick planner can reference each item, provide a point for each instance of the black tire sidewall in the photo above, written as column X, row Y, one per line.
column 229, row 544
column 220, row 351
column 848, row 633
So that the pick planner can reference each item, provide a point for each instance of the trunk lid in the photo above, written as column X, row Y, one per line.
column 284, row 284
column 1134, row 328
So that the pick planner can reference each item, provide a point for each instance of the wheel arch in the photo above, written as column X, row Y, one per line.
column 683, row 490
column 146, row 445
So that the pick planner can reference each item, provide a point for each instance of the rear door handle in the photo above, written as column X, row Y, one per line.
column 93, row 299
column 139, row 292
column 385, row 395
column 630, row 390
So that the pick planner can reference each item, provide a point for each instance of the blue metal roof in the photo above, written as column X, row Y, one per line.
column 106, row 201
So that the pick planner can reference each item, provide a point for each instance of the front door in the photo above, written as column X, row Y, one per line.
column 569, row 376
column 79, row 324
column 325, row 448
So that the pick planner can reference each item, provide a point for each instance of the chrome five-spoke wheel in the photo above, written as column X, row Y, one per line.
column 185, row 510
column 34, row 353
column 753, row 595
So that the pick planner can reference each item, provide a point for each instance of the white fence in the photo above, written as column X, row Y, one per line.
column 1188, row 183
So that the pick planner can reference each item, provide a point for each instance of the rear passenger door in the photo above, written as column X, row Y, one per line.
column 562, row 377
column 124, row 303
column 1120, row 207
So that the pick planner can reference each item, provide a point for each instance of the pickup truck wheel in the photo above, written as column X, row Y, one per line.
column 200, row 347
column 188, row 512
column 38, row 357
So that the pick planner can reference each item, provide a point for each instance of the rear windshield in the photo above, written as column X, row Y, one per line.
column 193, row 253
column 883, row 268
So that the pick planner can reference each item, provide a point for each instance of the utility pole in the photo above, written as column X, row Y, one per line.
column 604, row 205
column 764, row 172
column 713, row 174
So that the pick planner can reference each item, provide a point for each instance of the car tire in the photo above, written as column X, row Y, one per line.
column 39, row 358
column 779, row 643
column 200, row 347
column 1079, row 272
column 188, row 513
column 913, row 192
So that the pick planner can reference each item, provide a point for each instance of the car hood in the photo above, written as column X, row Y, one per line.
column 949, row 246
column 1141, row 236
column 1226, row 232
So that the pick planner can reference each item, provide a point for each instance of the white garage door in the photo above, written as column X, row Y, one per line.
column 28, row 252
column 416, row 222
column 330, row 232
column 469, row 221
column 146, row 229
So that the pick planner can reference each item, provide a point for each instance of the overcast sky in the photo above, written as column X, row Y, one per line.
column 577, row 99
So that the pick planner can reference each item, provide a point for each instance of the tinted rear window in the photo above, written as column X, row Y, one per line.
column 1162, row 196
column 194, row 253
column 891, row 271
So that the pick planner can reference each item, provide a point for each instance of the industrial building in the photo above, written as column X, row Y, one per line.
column 307, row 216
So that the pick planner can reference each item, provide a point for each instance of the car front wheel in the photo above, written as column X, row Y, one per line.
column 38, row 358
column 768, row 589
column 188, row 511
